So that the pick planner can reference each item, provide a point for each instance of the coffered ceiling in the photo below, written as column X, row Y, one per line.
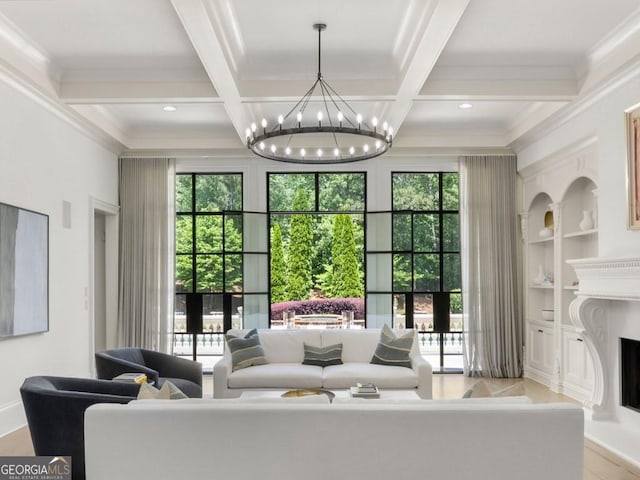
column 110, row 66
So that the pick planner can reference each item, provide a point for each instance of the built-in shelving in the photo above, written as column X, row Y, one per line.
column 566, row 187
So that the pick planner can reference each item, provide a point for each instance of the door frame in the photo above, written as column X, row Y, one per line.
column 111, row 218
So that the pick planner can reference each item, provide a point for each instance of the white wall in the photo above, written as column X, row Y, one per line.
column 43, row 162
column 603, row 120
column 378, row 170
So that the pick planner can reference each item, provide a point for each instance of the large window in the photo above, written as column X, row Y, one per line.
column 426, row 262
column 209, row 261
column 316, row 225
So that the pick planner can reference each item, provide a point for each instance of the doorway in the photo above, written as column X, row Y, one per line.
column 102, row 293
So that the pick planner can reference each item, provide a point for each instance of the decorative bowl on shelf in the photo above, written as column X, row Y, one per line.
column 548, row 315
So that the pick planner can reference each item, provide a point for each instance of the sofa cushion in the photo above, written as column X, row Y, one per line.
column 287, row 346
column 246, row 351
column 322, row 356
column 393, row 350
column 384, row 376
column 357, row 345
column 277, row 375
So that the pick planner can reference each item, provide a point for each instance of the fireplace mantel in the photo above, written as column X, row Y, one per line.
column 602, row 280
column 608, row 278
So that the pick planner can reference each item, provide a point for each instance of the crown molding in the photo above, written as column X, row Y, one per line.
column 623, row 75
column 51, row 103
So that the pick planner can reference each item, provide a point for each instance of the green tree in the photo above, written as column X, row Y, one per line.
column 278, row 267
column 346, row 271
column 218, row 193
column 299, row 279
column 210, row 259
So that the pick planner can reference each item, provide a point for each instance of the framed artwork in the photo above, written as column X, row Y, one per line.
column 24, row 271
column 633, row 167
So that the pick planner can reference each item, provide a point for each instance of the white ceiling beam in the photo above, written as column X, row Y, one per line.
column 138, row 92
column 190, row 142
column 440, row 24
column 199, row 25
column 499, row 90
column 467, row 139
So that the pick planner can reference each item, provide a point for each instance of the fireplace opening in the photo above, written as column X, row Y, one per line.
column 630, row 373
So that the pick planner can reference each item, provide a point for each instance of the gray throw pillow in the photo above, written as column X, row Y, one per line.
column 323, row 356
column 245, row 352
column 393, row 350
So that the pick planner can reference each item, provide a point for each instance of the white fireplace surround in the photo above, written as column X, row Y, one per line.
column 602, row 280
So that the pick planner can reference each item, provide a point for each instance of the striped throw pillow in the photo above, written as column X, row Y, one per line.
column 323, row 356
column 245, row 352
column 392, row 350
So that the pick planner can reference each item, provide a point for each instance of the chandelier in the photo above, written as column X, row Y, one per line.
column 334, row 133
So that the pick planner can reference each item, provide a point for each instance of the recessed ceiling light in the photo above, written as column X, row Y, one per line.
column 169, row 108
column 465, row 105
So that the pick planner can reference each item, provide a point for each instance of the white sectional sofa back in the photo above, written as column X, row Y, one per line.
column 169, row 439
column 284, row 350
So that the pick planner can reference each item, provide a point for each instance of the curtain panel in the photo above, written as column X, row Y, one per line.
column 490, row 273
column 146, row 252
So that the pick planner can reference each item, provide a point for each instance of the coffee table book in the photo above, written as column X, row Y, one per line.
column 356, row 393
column 131, row 378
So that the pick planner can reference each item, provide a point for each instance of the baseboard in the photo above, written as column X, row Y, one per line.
column 540, row 377
column 575, row 392
column 12, row 417
column 615, row 438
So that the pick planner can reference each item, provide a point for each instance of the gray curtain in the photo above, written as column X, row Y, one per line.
column 146, row 252
column 490, row 278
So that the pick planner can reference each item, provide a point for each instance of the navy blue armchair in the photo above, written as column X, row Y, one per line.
column 158, row 367
column 55, row 413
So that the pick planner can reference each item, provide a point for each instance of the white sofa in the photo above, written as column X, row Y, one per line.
column 421, row 439
column 284, row 350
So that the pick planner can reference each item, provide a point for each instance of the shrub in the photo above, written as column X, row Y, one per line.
column 319, row 306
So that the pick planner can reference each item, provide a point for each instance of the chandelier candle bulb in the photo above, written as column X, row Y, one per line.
column 303, row 152
column 319, row 153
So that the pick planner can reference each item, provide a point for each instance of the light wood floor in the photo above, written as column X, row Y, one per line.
column 599, row 464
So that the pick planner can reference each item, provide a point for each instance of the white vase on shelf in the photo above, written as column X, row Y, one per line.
column 540, row 278
column 587, row 220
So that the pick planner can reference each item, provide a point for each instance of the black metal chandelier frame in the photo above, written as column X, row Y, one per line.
column 344, row 122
